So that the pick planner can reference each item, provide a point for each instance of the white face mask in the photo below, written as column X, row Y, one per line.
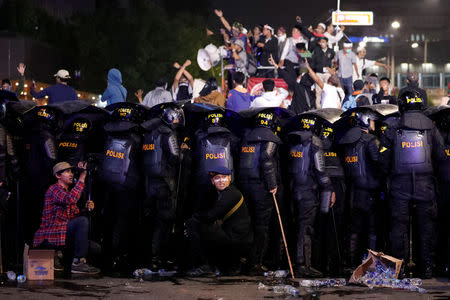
column 282, row 38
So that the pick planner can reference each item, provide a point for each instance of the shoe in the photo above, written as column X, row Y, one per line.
column 307, row 272
column 58, row 261
column 81, row 267
column 257, row 270
column 200, row 271
column 428, row 270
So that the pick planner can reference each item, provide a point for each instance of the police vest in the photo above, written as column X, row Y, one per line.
column 356, row 164
column 300, row 162
column 71, row 149
column 152, row 154
column 444, row 166
column 213, row 155
column 249, row 162
column 333, row 165
column 120, row 160
column 412, row 152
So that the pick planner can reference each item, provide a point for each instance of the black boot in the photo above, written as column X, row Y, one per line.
column 311, row 272
column 353, row 249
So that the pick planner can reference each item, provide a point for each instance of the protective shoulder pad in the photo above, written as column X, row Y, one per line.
column 416, row 120
column 351, row 136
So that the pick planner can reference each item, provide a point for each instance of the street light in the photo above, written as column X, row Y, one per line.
column 414, row 45
column 395, row 24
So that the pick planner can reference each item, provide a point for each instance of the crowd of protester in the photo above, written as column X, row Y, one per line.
column 318, row 76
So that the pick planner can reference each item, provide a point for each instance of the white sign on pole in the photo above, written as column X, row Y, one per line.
column 355, row 18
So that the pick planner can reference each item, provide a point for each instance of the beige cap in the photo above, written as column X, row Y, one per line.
column 64, row 74
column 61, row 166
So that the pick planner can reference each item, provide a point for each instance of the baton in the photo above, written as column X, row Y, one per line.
column 284, row 237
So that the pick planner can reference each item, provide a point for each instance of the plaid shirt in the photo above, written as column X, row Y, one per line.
column 59, row 208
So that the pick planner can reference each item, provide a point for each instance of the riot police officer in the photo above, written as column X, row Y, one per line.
column 259, row 176
column 332, row 222
column 212, row 144
column 307, row 174
column 42, row 124
column 161, row 160
column 408, row 148
column 360, row 157
column 120, row 168
column 441, row 116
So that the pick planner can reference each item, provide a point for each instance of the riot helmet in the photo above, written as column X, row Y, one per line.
column 172, row 115
column 310, row 123
column 215, row 119
column 410, row 100
column 267, row 119
column 362, row 118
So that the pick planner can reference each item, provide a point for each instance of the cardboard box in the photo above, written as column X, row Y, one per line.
column 370, row 263
column 38, row 264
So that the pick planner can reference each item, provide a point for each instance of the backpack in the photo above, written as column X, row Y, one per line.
column 252, row 65
column 351, row 102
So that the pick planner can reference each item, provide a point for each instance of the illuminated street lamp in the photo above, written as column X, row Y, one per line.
column 395, row 24
column 414, row 45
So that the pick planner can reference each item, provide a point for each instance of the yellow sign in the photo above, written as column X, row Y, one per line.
column 68, row 145
column 414, row 144
column 148, row 147
column 115, row 154
column 215, row 155
column 296, row 154
column 355, row 18
column 248, row 150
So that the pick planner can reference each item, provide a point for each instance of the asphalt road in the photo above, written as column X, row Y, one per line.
column 217, row 288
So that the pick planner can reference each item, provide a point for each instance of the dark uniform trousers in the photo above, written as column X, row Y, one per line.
column 305, row 208
column 405, row 192
column 160, row 203
column 260, row 204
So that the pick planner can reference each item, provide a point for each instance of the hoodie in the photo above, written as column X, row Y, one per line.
column 115, row 92
column 270, row 99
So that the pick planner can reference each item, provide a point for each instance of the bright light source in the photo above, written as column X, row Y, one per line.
column 414, row 45
column 395, row 24
column 25, row 93
column 93, row 98
column 17, row 83
column 25, row 85
column 79, row 95
column 41, row 88
column 46, row 97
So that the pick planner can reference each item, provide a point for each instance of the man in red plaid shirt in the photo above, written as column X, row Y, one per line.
column 62, row 225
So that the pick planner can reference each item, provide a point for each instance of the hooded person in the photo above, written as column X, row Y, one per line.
column 115, row 92
column 210, row 94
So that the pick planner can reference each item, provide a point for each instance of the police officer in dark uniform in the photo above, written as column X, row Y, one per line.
column 120, row 168
column 360, row 157
column 332, row 233
column 407, row 152
column 161, row 159
column 212, row 144
column 42, row 124
column 307, row 174
column 259, row 177
column 224, row 229
column 441, row 116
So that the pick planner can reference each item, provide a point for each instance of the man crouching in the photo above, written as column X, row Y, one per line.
column 62, row 226
column 222, row 234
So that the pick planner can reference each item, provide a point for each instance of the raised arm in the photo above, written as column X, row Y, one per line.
column 314, row 75
column 225, row 23
column 187, row 74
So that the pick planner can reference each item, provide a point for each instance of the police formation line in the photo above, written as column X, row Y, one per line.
column 344, row 182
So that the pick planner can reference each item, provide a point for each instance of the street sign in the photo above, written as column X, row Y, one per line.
column 353, row 18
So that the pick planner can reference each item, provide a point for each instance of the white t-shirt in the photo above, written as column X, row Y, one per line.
column 270, row 99
column 332, row 96
column 361, row 64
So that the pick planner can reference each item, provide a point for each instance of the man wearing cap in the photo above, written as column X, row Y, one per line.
column 225, row 227
column 58, row 92
column 347, row 62
column 412, row 84
column 62, row 225
column 268, row 48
